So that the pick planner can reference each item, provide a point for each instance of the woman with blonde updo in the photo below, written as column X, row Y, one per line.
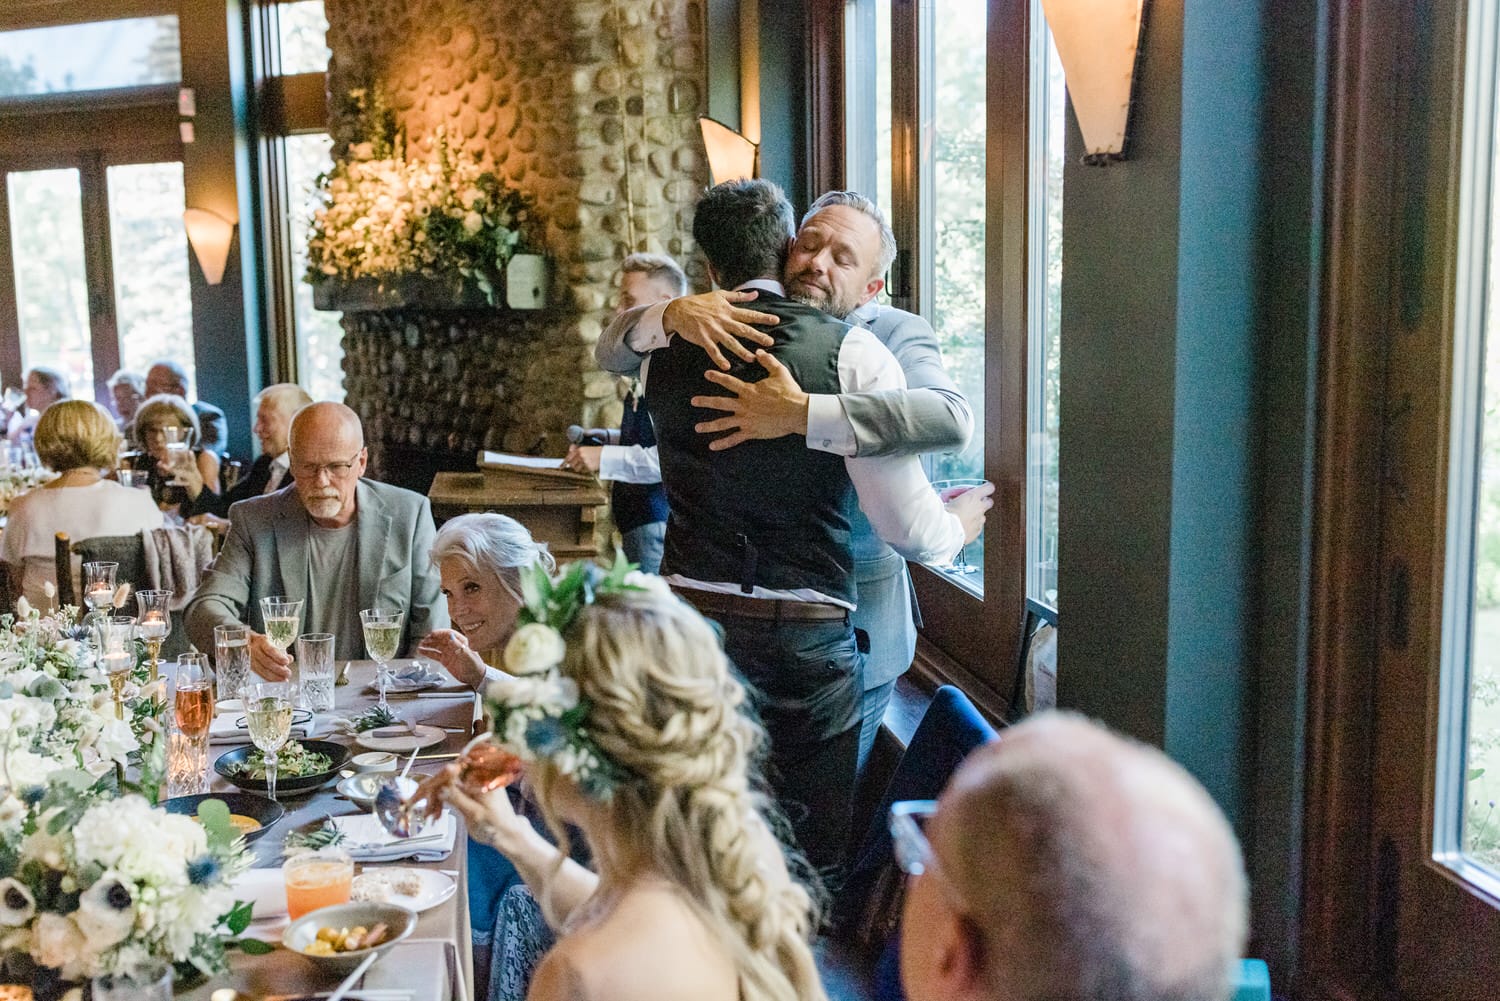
column 691, row 897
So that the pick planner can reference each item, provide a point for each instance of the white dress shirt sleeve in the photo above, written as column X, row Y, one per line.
column 892, row 489
column 828, row 427
column 649, row 332
column 630, row 464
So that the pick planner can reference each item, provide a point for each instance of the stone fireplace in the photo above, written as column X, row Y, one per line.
column 590, row 109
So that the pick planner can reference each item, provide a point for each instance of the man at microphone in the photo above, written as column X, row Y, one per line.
column 627, row 457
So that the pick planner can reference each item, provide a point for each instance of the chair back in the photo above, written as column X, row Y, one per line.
column 950, row 729
column 129, row 551
column 1035, row 684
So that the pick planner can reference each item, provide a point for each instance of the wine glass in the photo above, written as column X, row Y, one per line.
column 98, row 588
column 283, row 618
column 179, row 441
column 230, row 474
column 946, row 491
column 382, row 640
column 268, row 714
column 154, row 623
column 14, row 399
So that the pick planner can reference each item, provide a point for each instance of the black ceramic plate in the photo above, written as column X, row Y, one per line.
column 256, row 807
column 338, row 755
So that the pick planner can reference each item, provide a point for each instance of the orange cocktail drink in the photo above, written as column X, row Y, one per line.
column 317, row 879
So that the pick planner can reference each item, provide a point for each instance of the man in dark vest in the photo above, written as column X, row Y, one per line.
column 637, row 501
column 759, row 535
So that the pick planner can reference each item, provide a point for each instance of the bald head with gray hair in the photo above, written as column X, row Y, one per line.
column 858, row 202
column 1084, row 866
column 490, row 544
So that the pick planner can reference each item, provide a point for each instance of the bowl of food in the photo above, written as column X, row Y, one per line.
column 301, row 766
column 251, row 815
column 338, row 938
column 373, row 761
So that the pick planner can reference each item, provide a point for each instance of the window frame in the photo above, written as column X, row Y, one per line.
column 967, row 639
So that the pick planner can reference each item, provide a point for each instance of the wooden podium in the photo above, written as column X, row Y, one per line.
column 557, row 510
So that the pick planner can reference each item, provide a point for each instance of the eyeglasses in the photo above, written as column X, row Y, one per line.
column 335, row 470
column 909, row 842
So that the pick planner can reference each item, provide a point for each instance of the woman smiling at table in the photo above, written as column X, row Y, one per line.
column 692, row 898
column 479, row 559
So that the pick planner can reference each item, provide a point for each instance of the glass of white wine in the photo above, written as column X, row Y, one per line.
column 382, row 640
column 268, row 714
column 283, row 618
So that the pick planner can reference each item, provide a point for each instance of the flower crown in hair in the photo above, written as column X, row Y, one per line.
column 538, row 714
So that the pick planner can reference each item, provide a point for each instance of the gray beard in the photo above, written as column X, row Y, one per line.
column 816, row 303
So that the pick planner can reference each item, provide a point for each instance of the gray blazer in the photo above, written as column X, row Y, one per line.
column 930, row 415
column 265, row 553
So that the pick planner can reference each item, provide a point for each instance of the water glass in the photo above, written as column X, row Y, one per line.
column 192, row 718
column 151, row 981
column 232, row 659
column 315, row 670
column 133, row 478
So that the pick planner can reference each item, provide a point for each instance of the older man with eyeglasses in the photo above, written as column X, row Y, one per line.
column 334, row 540
column 1065, row 863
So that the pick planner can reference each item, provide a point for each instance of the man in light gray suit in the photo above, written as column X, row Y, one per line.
column 333, row 539
column 837, row 264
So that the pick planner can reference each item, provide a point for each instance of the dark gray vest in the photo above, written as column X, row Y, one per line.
column 773, row 514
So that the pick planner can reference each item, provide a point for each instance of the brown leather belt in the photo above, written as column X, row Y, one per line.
column 713, row 603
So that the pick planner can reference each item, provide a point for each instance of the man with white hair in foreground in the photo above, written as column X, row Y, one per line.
column 1066, row 863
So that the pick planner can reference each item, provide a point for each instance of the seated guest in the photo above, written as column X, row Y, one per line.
column 479, row 559
column 79, row 440
column 336, row 541
column 128, row 390
column 171, row 378
column 1064, row 863
column 168, row 483
column 275, row 406
column 691, row 898
column 44, row 387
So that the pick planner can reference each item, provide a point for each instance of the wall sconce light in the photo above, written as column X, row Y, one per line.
column 1097, row 41
column 209, row 234
column 731, row 157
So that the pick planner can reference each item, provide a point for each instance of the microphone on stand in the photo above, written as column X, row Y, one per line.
column 591, row 436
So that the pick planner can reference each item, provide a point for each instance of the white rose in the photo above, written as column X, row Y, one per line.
column 534, row 648
column 17, row 905
column 649, row 582
column 473, row 222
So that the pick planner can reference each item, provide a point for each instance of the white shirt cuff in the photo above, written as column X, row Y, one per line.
column 649, row 333
column 828, row 427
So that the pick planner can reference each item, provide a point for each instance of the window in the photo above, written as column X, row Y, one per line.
column 953, row 109
column 100, row 55
column 320, row 351
column 153, row 307
column 295, row 151
column 46, row 223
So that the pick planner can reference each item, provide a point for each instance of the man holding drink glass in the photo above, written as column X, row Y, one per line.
column 335, row 541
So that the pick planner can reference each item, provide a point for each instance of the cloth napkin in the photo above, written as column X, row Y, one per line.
column 223, row 730
column 366, row 841
column 412, row 677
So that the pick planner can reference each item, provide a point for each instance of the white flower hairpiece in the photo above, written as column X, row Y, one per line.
column 538, row 714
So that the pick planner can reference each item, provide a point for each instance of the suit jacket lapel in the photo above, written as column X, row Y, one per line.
column 372, row 529
column 291, row 546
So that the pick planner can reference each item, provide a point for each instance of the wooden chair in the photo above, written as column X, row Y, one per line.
column 130, row 553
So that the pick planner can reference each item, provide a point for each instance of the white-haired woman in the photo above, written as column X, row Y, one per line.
column 479, row 559
column 690, row 896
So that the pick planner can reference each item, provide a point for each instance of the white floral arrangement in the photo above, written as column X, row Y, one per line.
column 90, row 886
column 14, row 482
column 538, row 713
column 56, row 709
column 385, row 215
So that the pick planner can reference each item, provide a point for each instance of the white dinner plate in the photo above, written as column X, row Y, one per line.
column 425, row 736
column 436, row 888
